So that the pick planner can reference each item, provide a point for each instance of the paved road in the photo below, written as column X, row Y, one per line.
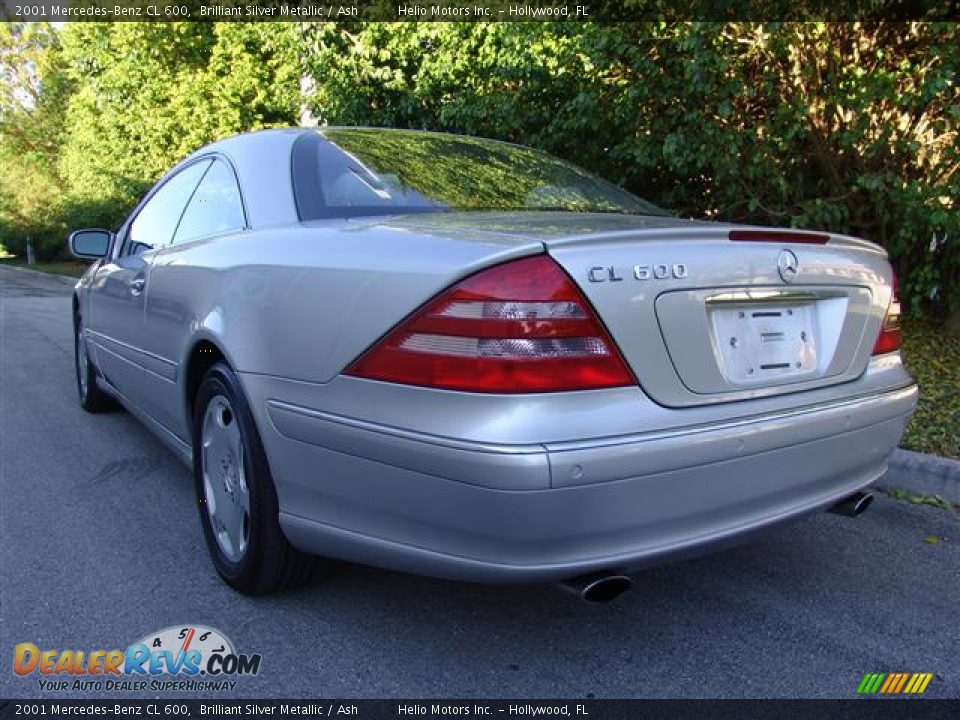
column 101, row 545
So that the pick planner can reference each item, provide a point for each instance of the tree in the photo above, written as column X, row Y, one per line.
column 93, row 114
column 148, row 94
column 32, row 97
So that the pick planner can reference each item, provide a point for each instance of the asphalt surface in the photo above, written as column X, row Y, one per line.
column 100, row 545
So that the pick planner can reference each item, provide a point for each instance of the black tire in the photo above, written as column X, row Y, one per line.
column 268, row 561
column 92, row 398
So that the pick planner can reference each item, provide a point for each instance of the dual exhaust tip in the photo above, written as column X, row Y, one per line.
column 852, row 505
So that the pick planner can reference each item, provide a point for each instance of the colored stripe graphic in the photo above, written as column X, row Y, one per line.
column 894, row 683
column 901, row 682
column 870, row 683
column 891, row 681
column 924, row 681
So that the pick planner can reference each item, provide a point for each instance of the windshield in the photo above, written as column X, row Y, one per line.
column 385, row 172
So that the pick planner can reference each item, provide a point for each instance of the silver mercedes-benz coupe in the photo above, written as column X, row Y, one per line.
column 468, row 359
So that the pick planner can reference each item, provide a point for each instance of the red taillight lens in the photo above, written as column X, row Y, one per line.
column 889, row 338
column 518, row 327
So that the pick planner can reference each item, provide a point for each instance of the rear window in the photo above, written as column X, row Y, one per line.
column 347, row 172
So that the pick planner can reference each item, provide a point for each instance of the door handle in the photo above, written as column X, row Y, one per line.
column 136, row 285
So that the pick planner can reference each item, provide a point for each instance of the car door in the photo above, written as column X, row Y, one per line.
column 177, row 281
column 118, row 293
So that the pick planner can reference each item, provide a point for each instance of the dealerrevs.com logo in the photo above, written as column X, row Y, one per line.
column 186, row 657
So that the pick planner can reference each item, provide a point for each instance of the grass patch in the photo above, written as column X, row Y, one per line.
column 933, row 358
column 72, row 268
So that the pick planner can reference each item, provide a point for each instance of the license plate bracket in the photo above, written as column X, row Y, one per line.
column 766, row 344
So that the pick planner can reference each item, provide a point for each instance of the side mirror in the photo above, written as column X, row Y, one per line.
column 90, row 244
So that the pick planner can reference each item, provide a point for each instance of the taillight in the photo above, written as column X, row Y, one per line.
column 889, row 338
column 518, row 327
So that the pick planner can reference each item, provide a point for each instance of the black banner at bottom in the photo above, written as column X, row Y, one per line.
column 863, row 709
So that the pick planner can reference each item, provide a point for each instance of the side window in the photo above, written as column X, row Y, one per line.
column 215, row 207
column 154, row 225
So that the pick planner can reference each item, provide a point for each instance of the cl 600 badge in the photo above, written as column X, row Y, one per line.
column 677, row 271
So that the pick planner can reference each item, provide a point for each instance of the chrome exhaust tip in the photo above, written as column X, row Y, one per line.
column 599, row 587
column 852, row 505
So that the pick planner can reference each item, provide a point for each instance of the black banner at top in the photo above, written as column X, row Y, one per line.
column 475, row 10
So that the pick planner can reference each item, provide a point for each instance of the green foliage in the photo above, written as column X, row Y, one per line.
column 848, row 127
column 30, row 202
column 151, row 93
column 120, row 103
column 933, row 358
column 32, row 98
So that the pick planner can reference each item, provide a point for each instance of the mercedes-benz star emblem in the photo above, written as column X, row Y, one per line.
column 788, row 265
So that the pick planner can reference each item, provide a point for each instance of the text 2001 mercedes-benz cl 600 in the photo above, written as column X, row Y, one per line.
column 468, row 359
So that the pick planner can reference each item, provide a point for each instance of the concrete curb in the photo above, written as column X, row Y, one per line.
column 923, row 474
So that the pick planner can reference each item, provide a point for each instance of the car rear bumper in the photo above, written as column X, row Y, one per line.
column 427, row 504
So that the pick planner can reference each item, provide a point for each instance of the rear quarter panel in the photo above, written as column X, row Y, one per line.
column 302, row 302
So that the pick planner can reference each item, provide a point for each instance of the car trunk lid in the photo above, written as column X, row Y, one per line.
column 703, row 318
